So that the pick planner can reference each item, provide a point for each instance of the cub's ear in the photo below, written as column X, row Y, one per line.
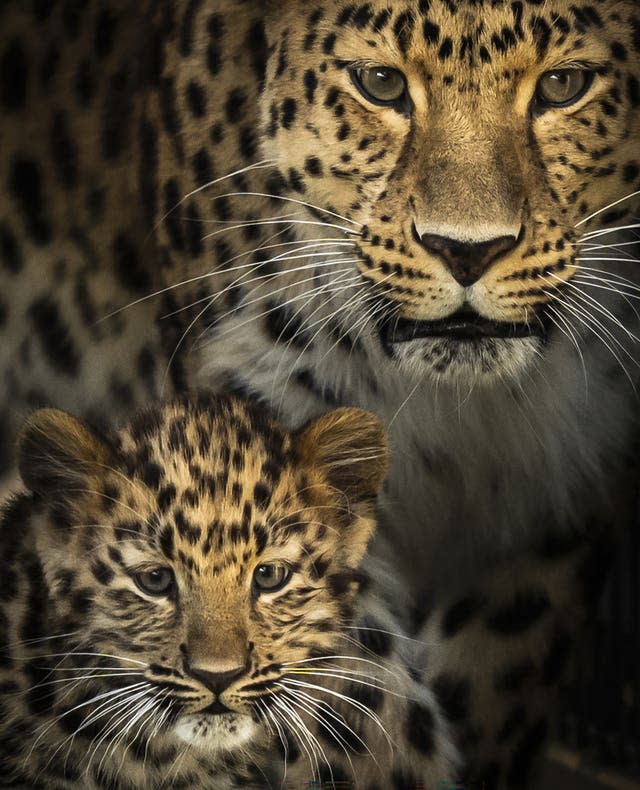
column 351, row 448
column 57, row 454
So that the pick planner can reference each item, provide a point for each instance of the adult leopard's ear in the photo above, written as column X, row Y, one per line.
column 351, row 447
column 59, row 456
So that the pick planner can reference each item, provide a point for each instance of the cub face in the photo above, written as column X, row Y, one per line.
column 204, row 551
column 466, row 148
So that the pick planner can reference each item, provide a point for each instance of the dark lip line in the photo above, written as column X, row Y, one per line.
column 463, row 325
column 460, row 326
column 216, row 708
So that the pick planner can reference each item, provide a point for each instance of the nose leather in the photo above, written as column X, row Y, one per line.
column 216, row 681
column 467, row 261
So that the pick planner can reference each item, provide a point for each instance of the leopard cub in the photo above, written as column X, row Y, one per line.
column 185, row 603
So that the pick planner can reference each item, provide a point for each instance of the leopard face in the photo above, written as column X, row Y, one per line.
column 203, row 553
column 465, row 149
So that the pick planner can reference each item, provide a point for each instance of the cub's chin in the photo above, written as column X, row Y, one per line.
column 217, row 732
column 466, row 361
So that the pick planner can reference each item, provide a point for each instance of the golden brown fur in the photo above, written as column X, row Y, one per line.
column 140, row 645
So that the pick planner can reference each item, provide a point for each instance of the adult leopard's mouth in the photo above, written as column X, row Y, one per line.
column 464, row 325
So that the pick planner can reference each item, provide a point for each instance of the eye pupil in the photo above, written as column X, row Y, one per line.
column 269, row 577
column 563, row 87
column 158, row 581
column 380, row 84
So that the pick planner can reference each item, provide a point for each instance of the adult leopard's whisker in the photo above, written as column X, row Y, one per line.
column 261, row 279
column 607, row 207
column 598, row 329
column 222, row 269
column 263, row 164
column 344, row 283
column 594, row 234
column 279, row 222
column 565, row 327
column 287, row 199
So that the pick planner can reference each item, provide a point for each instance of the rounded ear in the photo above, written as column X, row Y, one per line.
column 351, row 448
column 57, row 453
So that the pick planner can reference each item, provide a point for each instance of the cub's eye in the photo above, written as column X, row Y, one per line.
column 159, row 581
column 381, row 85
column 563, row 87
column 271, row 576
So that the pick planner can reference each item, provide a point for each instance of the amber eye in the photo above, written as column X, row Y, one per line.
column 271, row 576
column 562, row 87
column 159, row 581
column 381, row 85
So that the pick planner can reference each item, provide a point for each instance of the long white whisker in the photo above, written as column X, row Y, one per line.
column 337, row 658
column 568, row 332
column 283, row 738
column 265, row 163
column 223, row 269
column 586, row 298
column 323, row 321
column 267, row 222
column 287, row 199
column 344, row 283
column 595, row 234
column 104, row 695
column 301, row 730
column 345, row 698
column 606, row 208
column 310, row 706
column 261, row 279
column 590, row 322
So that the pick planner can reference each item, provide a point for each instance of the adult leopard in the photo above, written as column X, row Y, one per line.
column 367, row 204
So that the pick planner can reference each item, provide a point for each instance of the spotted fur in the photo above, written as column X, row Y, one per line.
column 358, row 272
column 108, row 683
column 317, row 250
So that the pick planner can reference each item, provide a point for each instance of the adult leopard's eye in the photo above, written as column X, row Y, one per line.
column 159, row 581
column 562, row 87
column 380, row 85
column 271, row 576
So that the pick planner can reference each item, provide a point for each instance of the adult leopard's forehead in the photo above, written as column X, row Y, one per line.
column 450, row 35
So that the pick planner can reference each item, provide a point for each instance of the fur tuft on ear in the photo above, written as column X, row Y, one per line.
column 351, row 447
column 57, row 454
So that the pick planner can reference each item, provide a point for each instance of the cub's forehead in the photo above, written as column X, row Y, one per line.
column 216, row 474
column 209, row 427
column 208, row 445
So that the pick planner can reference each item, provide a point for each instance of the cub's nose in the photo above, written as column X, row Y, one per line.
column 216, row 681
column 467, row 261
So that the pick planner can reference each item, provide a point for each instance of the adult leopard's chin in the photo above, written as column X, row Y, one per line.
column 463, row 347
column 466, row 361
